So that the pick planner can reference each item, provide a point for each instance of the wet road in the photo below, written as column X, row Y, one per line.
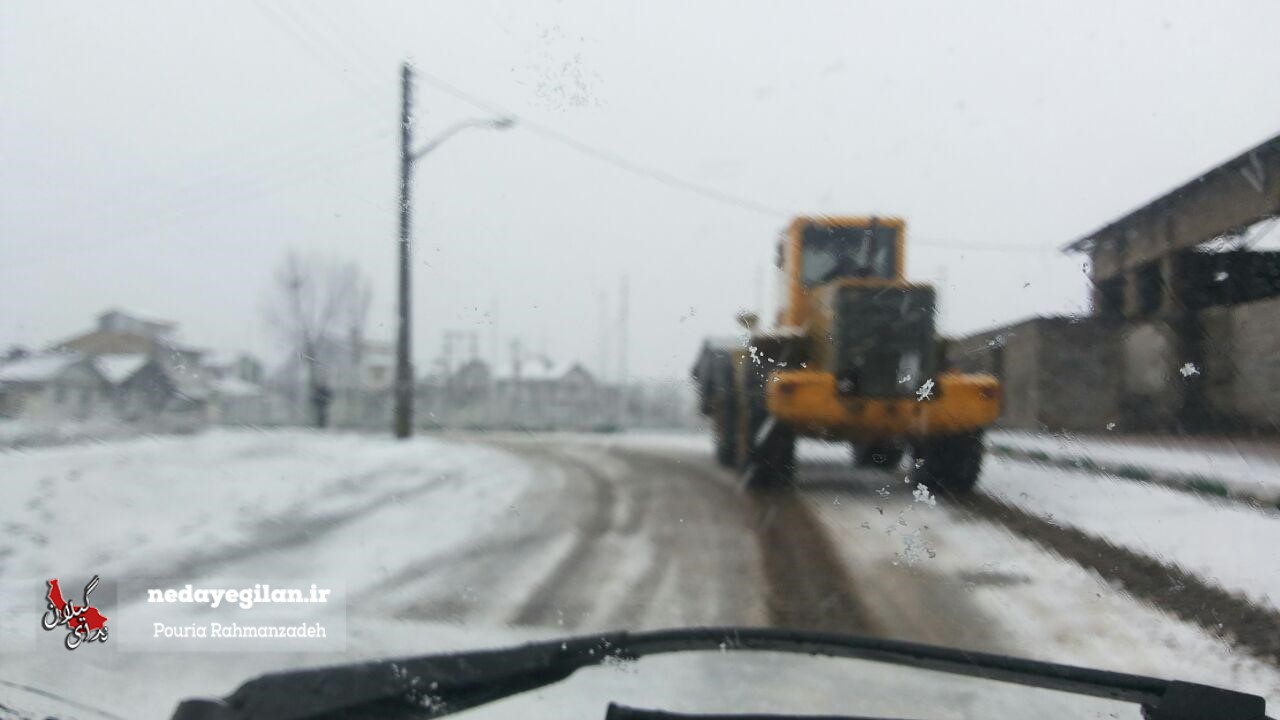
column 612, row 538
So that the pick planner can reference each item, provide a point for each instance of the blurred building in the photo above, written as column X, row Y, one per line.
column 1185, row 328
column 133, row 368
column 539, row 394
column 52, row 386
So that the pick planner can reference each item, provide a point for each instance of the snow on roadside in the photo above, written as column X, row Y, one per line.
column 154, row 504
column 354, row 508
column 1243, row 465
column 982, row 579
column 1223, row 543
column 1031, row 603
column 700, row 443
column 24, row 432
column 696, row 442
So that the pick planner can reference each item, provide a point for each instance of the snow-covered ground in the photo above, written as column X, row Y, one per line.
column 244, row 504
column 150, row 505
column 1224, row 543
column 247, row 504
column 27, row 432
column 1246, row 466
column 1049, row 608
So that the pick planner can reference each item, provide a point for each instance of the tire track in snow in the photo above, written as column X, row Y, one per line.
column 807, row 585
column 678, row 514
column 289, row 530
column 546, row 604
column 1223, row 614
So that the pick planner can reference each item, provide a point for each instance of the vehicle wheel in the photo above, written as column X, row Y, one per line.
column 949, row 464
column 773, row 461
column 885, row 456
column 766, row 448
column 724, row 428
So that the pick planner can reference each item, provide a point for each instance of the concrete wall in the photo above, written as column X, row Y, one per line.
column 1078, row 374
column 1242, row 359
column 1009, row 353
column 1151, row 386
column 1057, row 373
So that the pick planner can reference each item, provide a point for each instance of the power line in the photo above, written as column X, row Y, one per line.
column 673, row 180
column 601, row 154
column 319, row 44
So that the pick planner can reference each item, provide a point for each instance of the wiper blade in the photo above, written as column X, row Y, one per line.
column 435, row 685
column 622, row 712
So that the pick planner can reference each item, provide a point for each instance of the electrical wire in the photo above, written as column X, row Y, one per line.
column 329, row 48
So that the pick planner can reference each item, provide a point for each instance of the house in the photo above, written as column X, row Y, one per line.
column 118, row 332
column 162, row 386
column 52, row 386
column 119, row 367
column 538, row 394
column 541, row 394
column 146, row 369
column 241, row 366
column 236, row 395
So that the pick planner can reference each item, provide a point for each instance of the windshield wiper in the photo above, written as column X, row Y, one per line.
column 435, row 685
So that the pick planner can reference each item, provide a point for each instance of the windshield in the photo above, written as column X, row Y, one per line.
column 827, row 253
column 336, row 331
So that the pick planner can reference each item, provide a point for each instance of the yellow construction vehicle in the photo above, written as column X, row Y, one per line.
column 852, row 357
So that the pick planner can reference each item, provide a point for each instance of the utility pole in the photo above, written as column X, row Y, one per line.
column 623, row 320
column 603, row 343
column 403, row 422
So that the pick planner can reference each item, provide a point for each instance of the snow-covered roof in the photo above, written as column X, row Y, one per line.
column 235, row 387
column 119, row 367
column 139, row 317
column 37, row 368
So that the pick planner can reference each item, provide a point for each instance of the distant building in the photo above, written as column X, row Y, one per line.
column 541, row 394
column 236, row 395
column 160, row 387
column 145, row 373
column 52, row 386
column 239, row 366
column 121, row 333
column 148, row 371
column 1183, row 335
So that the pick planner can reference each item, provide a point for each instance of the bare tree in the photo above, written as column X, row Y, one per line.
column 316, row 305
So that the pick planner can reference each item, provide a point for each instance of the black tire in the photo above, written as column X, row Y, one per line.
column 885, row 456
column 773, row 462
column 767, row 460
column 724, row 427
column 949, row 464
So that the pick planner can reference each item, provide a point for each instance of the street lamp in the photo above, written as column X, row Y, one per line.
column 501, row 123
column 402, row 422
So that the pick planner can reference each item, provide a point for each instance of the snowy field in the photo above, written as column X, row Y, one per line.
column 231, row 504
column 165, row 503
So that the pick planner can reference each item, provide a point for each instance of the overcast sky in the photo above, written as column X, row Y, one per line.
column 163, row 156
